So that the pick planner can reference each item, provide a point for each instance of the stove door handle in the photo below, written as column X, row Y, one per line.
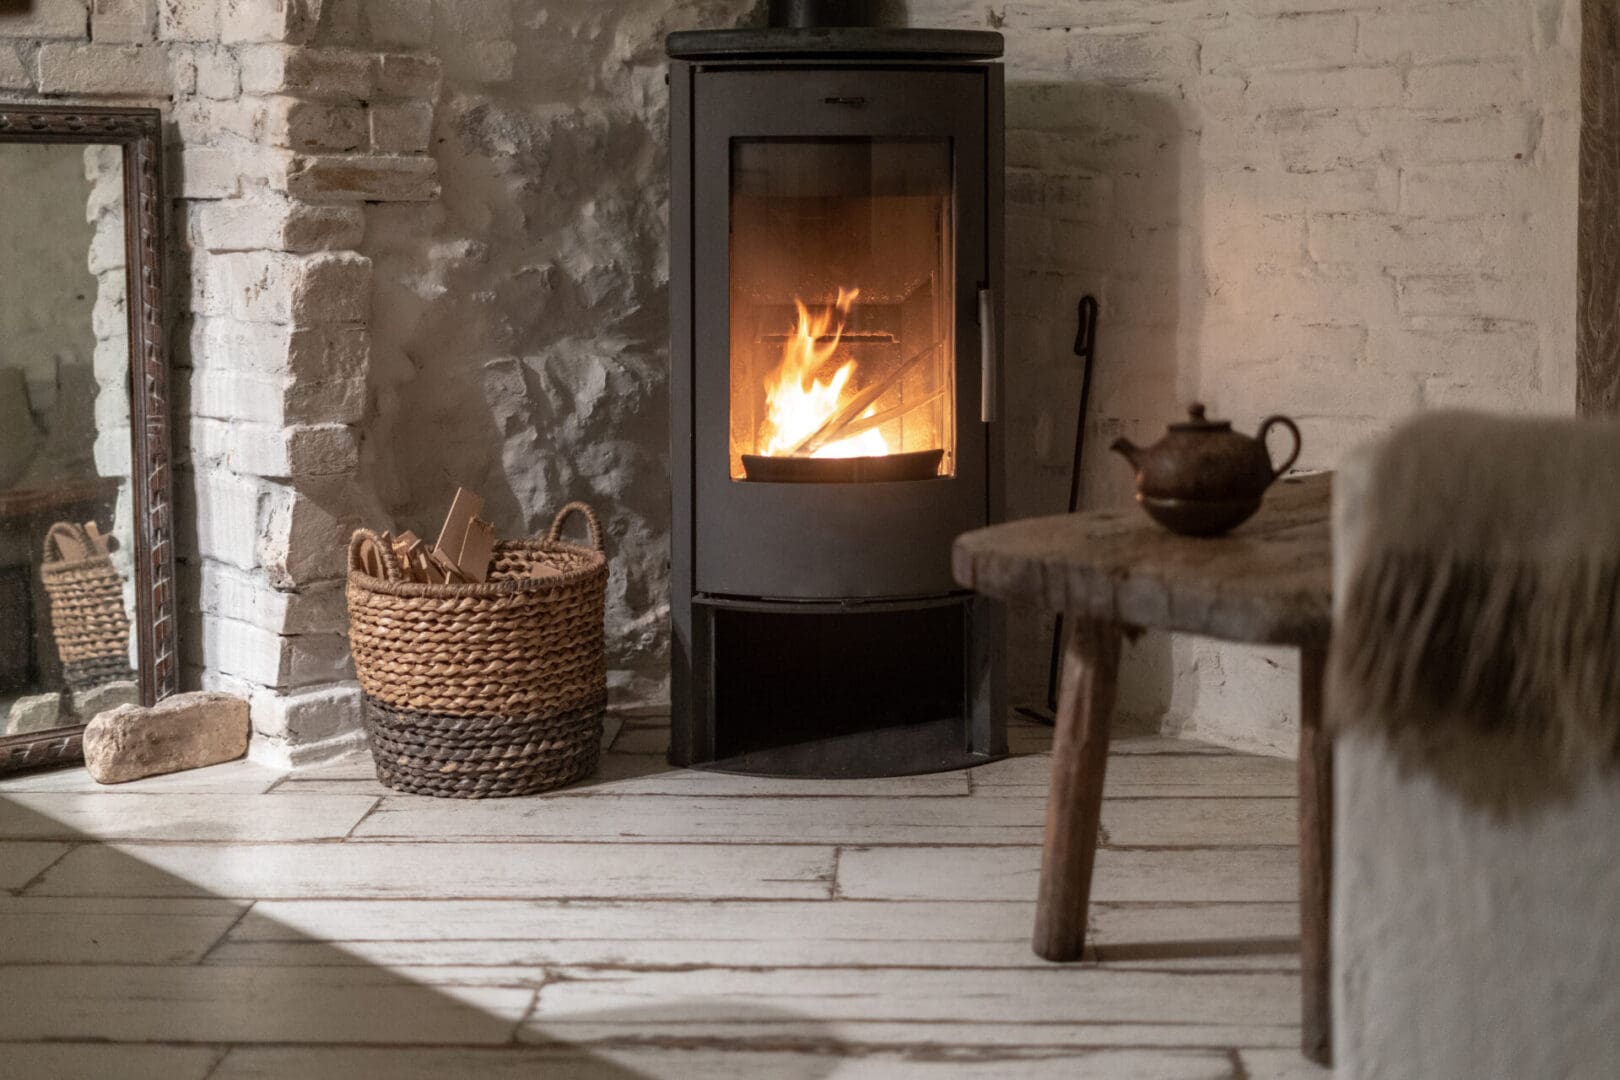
column 989, row 383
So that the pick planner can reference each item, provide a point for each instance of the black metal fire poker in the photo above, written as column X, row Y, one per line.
column 1085, row 346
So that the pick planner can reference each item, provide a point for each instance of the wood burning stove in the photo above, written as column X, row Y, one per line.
column 835, row 281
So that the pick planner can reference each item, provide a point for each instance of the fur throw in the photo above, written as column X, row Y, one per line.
column 1479, row 591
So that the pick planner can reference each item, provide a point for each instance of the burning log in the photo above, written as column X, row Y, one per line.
column 836, row 424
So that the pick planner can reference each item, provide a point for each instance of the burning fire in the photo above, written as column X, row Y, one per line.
column 799, row 402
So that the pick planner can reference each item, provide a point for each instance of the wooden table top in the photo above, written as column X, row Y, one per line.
column 1269, row 581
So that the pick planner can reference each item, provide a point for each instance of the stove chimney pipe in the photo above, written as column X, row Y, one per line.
column 803, row 14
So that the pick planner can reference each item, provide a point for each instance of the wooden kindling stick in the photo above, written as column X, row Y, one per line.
column 843, row 418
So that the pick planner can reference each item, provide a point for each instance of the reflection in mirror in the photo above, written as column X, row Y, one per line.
column 66, row 583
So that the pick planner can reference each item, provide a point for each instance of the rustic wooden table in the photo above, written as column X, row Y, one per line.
column 1116, row 572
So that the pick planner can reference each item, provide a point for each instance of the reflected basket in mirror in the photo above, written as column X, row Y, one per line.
column 88, row 621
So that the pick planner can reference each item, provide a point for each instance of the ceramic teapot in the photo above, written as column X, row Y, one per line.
column 1202, row 478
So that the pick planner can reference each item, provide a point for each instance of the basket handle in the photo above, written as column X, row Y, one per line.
column 391, row 571
column 52, row 551
column 590, row 520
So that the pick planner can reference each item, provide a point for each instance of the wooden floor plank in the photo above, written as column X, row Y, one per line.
column 1196, row 937
column 229, row 1005
column 76, row 937
column 1151, row 776
column 449, row 870
column 21, row 861
column 628, row 1062
column 1200, row 822
column 241, row 777
column 124, row 1061
column 647, row 774
column 630, row 920
column 675, row 819
column 653, row 922
column 1246, row 874
column 178, row 816
column 664, row 1001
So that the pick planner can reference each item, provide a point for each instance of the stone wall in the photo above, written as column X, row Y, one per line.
column 521, row 331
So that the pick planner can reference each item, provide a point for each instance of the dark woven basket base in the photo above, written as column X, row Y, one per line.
column 89, row 674
column 460, row 757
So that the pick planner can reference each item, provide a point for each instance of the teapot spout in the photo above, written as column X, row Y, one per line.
column 1127, row 450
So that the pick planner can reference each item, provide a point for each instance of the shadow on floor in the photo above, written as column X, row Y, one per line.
column 109, row 967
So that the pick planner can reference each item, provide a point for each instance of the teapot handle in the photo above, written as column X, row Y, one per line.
column 1265, row 426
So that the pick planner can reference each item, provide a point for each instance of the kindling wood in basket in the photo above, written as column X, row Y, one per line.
column 88, row 621
column 496, row 688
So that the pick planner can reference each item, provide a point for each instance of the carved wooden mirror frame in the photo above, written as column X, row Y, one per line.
column 138, row 133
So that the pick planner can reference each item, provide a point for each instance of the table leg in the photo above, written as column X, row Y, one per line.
column 1315, row 862
column 1079, row 759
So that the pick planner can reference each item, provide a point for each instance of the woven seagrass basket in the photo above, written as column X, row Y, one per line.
column 490, row 689
column 88, row 621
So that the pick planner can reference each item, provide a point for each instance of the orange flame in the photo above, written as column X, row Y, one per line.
column 797, row 402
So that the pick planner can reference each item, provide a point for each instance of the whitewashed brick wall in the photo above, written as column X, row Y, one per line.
column 282, row 124
column 1344, row 210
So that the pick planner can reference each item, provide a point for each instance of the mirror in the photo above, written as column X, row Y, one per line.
column 83, row 575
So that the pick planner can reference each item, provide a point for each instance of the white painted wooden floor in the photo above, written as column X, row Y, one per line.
column 237, row 922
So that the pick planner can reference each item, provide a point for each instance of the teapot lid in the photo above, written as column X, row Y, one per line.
column 1197, row 422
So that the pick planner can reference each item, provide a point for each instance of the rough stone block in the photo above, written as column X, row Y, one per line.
column 46, row 19
column 219, row 173
column 34, row 712
column 290, row 21
column 200, row 120
column 225, row 510
column 408, row 76
column 313, row 74
column 14, row 75
column 273, row 451
column 186, row 731
column 99, row 699
column 218, row 74
column 333, row 287
column 125, row 70
column 188, row 20
column 307, row 536
column 336, row 401
column 317, row 126
column 364, row 178
column 328, row 352
column 268, row 286
column 236, row 594
column 182, row 72
column 116, row 21
column 307, row 716
column 269, row 223
column 401, row 127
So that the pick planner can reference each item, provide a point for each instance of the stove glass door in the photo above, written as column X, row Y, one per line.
column 842, row 308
